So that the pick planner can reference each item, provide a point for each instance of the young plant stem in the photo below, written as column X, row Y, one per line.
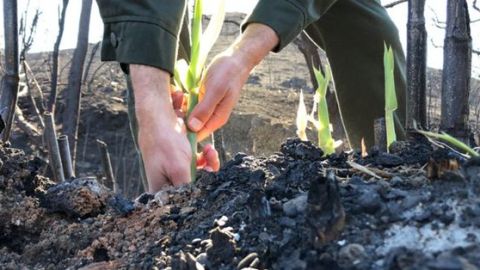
column 451, row 140
column 191, row 135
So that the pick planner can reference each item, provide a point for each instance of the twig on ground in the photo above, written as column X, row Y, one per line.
column 107, row 165
column 65, row 155
column 53, row 150
column 363, row 169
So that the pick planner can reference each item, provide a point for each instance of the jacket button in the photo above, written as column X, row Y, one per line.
column 113, row 39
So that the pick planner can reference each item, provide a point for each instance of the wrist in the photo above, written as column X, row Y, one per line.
column 254, row 44
column 151, row 87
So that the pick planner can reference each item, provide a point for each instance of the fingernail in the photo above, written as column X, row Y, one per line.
column 208, row 169
column 195, row 124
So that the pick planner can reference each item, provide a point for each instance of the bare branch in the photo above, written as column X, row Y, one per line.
column 391, row 5
column 107, row 166
column 53, row 151
column 30, row 94
column 90, row 61
column 436, row 21
column 54, row 77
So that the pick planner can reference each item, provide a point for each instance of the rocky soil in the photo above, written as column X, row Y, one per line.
column 292, row 210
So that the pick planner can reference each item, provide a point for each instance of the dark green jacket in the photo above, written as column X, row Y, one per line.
column 351, row 32
column 146, row 31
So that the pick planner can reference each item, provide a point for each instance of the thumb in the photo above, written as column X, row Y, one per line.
column 204, row 109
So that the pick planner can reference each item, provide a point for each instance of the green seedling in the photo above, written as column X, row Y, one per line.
column 325, row 140
column 188, row 75
column 391, row 103
column 452, row 141
column 322, row 125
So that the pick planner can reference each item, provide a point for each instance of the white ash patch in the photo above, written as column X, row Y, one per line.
column 429, row 238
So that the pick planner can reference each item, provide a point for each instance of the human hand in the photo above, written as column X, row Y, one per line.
column 164, row 146
column 224, row 80
column 225, row 77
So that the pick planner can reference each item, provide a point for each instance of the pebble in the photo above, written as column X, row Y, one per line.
column 221, row 222
column 295, row 206
column 202, row 258
column 351, row 254
column 196, row 241
column 370, row 202
column 247, row 260
column 287, row 222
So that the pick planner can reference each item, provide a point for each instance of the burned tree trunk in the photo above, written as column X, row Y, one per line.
column 74, row 90
column 456, row 70
column 9, row 85
column 416, row 65
column 54, row 77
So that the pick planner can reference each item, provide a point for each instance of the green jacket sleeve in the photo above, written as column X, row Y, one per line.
column 288, row 17
column 141, row 31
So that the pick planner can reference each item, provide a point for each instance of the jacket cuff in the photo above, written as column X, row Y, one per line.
column 283, row 16
column 137, row 42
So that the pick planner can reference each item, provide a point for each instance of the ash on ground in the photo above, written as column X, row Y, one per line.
column 292, row 210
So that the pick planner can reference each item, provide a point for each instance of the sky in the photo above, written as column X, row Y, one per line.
column 48, row 26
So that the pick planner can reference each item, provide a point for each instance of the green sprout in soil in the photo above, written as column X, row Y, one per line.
column 322, row 125
column 188, row 76
column 451, row 141
column 325, row 140
column 390, row 95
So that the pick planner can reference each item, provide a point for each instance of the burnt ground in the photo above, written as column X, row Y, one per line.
column 291, row 210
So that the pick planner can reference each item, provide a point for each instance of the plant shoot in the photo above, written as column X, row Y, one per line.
column 188, row 75
column 391, row 103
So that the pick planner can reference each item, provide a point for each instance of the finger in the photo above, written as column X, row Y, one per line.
column 211, row 156
column 216, row 121
column 177, row 100
column 205, row 108
column 180, row 177
column 208, row 159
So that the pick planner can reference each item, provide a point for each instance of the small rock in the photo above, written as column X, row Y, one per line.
column 370, row 202
column 162, row 197
column 221, row 222
column 202, row 258
column 295, row 206
column 144, row 198
column 196, row 241
column 388, row 160
column 287, row 222
column 258, row 205
column 265, row 237
column 247, row 261
column 351, row 255
column 222, row 249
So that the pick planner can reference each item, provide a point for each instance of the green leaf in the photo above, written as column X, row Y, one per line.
column 210, row 35
column 390, row 94
column 196, row 36
column 325, row 140
column 451, row 140
column 181, row 74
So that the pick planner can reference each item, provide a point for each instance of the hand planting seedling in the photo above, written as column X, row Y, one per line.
column 188, row 76
column 322, row 125
column 391, row 103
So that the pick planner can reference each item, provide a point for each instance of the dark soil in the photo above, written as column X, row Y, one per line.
column 292, row 210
